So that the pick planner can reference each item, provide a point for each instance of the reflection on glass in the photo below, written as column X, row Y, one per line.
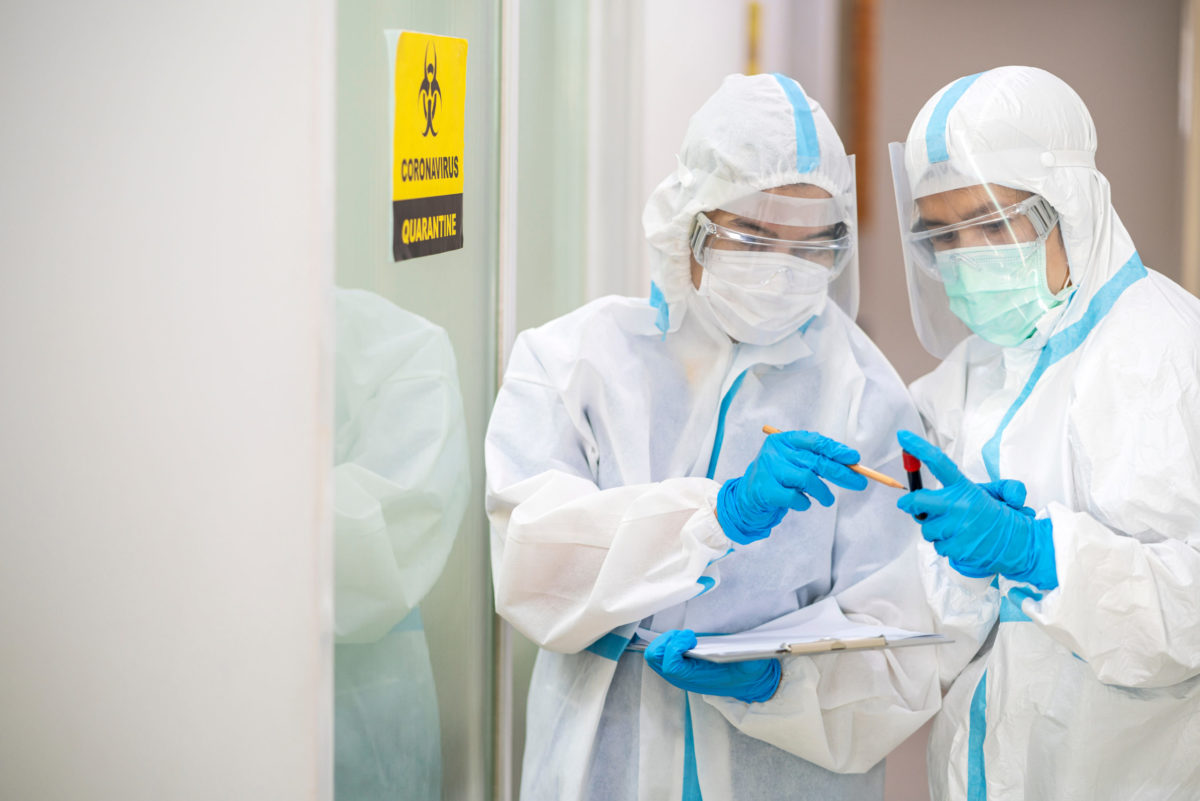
column 401, row 486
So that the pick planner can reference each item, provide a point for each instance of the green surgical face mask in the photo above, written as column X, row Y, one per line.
column 999, row 291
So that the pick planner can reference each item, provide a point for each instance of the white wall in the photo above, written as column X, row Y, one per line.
column 653, row 63
column 166, row 217
column 691, row 45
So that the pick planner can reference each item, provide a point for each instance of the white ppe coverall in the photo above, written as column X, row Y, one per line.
column 612, row 433
column 401, row 485
column 1090, row 690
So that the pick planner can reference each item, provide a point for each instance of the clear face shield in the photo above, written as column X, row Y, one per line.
column 975, row 258
column 781, row 246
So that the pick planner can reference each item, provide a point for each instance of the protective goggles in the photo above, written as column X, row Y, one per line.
column 827, row 240
column 1030, row 220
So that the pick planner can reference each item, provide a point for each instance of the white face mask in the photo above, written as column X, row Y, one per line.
column 760, row 297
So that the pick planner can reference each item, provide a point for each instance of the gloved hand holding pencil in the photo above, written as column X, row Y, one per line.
column 789, row 472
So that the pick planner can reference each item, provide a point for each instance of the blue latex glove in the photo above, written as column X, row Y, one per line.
column 982, row 528
column 750, row 681
column 1011, row 492
column 785, row 475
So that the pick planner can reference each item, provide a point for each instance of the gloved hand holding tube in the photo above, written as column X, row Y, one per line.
column 786, row 474
column 982, row 528
column 750, row 681
column 1007, row 490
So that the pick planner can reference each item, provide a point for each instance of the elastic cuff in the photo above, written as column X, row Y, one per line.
column 707, row 526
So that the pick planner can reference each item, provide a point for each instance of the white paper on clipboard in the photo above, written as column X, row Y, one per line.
column 816, row 629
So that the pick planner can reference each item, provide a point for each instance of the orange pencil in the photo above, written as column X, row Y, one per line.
column 874, row 475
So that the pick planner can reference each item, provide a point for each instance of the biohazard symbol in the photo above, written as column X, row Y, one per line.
column 430, row 92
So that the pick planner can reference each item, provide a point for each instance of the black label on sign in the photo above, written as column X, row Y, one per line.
column 426, row 225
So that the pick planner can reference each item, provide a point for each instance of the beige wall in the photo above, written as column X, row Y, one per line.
column 1122, row 58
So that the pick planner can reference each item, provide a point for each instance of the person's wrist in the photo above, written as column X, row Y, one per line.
column 1038, row 566
column 732, row 518
column 1044, row 572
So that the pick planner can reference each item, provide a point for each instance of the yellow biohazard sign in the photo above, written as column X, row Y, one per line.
column 429, row 87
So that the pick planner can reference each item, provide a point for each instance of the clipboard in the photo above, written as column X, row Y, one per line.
column 821, row 628
column 706, row 647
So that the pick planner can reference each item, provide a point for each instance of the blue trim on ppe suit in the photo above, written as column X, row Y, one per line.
column 716, row 452
column 808, row 150
column 935, row 129
column 1062, row 344
column 613, row 644
column 976, row 775
column 663, row 321
column 411, row 622
column 1010, row 610
column 691, row 779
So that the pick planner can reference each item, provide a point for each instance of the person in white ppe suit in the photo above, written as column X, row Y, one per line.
column 401, row 485
column 633, row 498
column 1069, row 377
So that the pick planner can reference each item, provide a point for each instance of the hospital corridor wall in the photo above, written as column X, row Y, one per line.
column 168, row 249
column 442, row 658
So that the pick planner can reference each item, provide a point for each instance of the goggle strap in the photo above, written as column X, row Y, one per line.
column 1043, row 216
column 701, row 228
